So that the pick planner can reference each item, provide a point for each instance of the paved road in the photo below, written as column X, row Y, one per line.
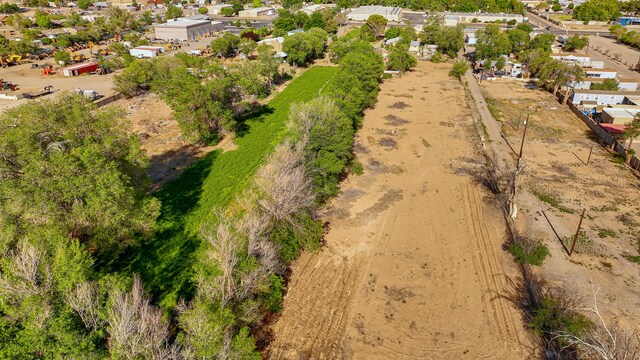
column 559, row 30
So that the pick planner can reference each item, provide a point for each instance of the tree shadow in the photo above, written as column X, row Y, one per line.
column 170, row 164
column 165, row 260
column 258, row 115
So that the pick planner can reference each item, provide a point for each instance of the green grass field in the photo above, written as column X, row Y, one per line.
column 165, row 262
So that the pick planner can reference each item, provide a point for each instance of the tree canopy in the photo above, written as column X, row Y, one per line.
column 598, row 10
column 72, row 170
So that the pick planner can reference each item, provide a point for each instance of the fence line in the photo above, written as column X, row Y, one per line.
column 607, row 138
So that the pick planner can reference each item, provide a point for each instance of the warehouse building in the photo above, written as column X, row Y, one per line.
column 455, row 18
column 257, row 12
column 391, row 13
column 187, row 30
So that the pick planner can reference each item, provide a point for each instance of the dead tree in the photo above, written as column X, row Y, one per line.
column 605, row 341
column 136, row 328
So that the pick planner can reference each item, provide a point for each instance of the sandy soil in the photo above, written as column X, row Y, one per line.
column 555, row 152
column 413, row 266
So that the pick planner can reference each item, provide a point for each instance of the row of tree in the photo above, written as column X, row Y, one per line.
column 625, row 36
column 327, row 19
column 240, row 275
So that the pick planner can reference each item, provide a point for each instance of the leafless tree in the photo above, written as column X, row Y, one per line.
column 283, row 186
column 85, row 302
column 29, row 275
column 604, row 340
column 136, row 327
column 255, row 227
column 224, row 248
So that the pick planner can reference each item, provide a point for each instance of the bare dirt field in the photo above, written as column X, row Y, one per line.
column 556, row 180
column 625, row 54
column 413, row 266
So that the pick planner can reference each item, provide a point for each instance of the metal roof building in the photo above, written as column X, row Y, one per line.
column 187, row 30
column 391, row 13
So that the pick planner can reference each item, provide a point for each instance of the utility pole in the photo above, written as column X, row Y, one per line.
column 575, row 237
column 524, row 134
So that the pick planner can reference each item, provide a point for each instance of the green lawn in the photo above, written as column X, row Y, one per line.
column 165, row 262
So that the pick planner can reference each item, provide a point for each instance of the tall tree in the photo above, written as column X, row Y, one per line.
column 492, row 43
column 68, row 168
column 376, row 24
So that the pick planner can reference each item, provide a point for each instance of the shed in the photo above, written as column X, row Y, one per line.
column 146, row 51
column 78, row 69
column 618, row 116
column 393, row 41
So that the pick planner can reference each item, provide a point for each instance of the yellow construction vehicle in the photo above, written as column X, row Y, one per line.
column 78, row 57
column 14, row 59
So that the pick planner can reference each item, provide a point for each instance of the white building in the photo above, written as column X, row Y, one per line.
column 470, row 39
column 317, row 7
column 146, row 51
column 187, row 30
column 600, row 97
column 276, row 43
column 623, row 85
column 453, row 19
column 217, row 9
column 600, row 73
column 257, row 12
column 391, row 13
column 582, row 60
column 619, row 115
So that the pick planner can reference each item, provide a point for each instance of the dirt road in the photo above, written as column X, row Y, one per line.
column 413, row 266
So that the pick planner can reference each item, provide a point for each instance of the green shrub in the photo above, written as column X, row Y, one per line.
column 460, row 67
column 534, row 255
column 436, row 57
column 307, row 234
column 554, row 316
column 272, row 299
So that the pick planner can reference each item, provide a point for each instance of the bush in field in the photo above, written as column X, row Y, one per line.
column 528, row 252
column 62, row 57
column 576, row 42
column 225, row 46
column 399, row 59
column 460, row 68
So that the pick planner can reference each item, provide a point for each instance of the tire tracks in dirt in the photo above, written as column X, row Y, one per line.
column 413, row 266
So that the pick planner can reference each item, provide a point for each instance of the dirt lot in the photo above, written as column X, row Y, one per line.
column 152, row 119
column 557, row 180
column 413, row 266
column 628, row 55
